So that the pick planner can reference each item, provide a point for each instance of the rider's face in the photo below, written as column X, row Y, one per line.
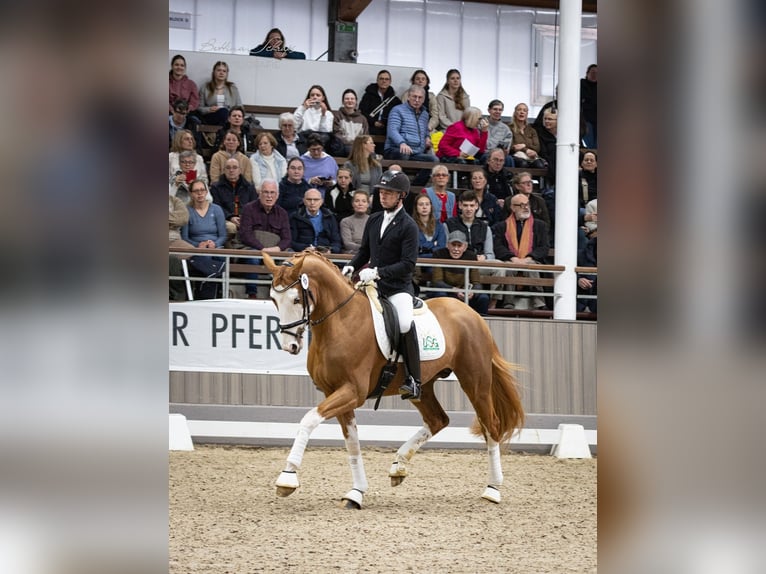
column 388, row 199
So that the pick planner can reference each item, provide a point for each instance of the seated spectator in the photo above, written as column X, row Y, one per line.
column 522, row 184
column 420, row 78
column 184, row 141
column 470, row 130
column 320, row 168
column 267, row 162
column 206, row 229
column 265, row 226
column 452, row 280
column 241, row 126
column 230, row 148
column 553, row 105
column 588, row 179
column 290, row 143
column 352, row 227
column 490, row 208
column 181, row 87
column 407, row 136
column 442, row 198
column 180, row 180
column 275, row 46
column 498, row 180
column 587, row 283
column 178, row 216
column 314, row 225
column 363, row 164
column 339, row 198
column 431, row 235
column 348, row 123
column 547, row 137
column 218, row 96
column 589, row 106
column 500, row 135
column 377, row 102
column 522, row 239
column 452, row 99
column 314, row 115
column 180, row 120
column 232, row 192
column 293, row 186
column 478, row 234
column 525, row 147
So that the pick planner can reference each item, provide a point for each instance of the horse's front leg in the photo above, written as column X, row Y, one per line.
column 353, row 498
column 287, row 481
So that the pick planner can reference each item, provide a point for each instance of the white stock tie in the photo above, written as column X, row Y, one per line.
column 386, row 220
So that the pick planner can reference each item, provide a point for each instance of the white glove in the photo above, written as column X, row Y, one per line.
column 368, row 274
column 348, row 271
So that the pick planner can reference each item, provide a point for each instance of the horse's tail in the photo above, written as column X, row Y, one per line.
column 508, row 412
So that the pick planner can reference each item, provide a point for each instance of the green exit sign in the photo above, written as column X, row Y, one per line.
column 345, row 27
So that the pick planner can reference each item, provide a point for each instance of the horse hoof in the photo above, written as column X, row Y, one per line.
column 353, row 500
column 397, row 480
column 492, row 494
column 284, row 491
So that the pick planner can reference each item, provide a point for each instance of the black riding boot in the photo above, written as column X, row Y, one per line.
column 409, row 347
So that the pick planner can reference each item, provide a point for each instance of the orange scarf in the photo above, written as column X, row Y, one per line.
column 524, row 248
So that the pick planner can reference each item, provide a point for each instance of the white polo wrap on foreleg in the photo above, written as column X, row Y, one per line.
column 309, row 422
column 495, row 477
column 358, row 475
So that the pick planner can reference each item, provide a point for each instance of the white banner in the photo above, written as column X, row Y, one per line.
column 230, row 336
column 180, row 20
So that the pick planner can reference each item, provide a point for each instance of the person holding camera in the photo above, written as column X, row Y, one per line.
column 321, row 169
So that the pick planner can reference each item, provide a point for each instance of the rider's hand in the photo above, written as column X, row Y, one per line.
column 348, row 271
column 369, row 274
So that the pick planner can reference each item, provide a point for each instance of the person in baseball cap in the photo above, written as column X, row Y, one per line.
column 390, row 249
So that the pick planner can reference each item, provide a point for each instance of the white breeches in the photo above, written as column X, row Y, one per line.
column 402, row 302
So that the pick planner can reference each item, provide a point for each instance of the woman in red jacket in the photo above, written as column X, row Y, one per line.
column 466, row 140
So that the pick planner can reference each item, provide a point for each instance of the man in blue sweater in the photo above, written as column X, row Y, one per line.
column 407, row 135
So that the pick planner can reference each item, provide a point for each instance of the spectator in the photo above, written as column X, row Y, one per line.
column 498, row 179
column 290, row 143
column 293, row 186
column 320, row 168
column 490, row 208
column 588, row 106
column 181, row 87
column 471, row 128
column 314, row 225
column 267, row 162
column 363, row 164
column 590, row 218
column 180, row 180
column 206, row 229
column 548, row 136
column 352, row 227
column 275, row 46
column 553, row 105
column 184, row 141
column 478, row 234
column 587, row 283
column 238, row 124
column 348, row 123
column 407, row 134
column 265, row 227
column 339, row 198
column 442, row 199
column 522, row 239
column 452, row 99
column 315, row 113
column 420, row 78
column 178, row 216
column 180, row 120
column 588, row 179
column 452, row 280
column 218, row 96
column 526, row 144
column 232, row 192
column 523, row 184
column 377, row 102
column 431, row 235
column 500, row 135
column 230, row 149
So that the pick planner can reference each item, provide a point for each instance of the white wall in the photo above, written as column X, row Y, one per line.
column 495, row 47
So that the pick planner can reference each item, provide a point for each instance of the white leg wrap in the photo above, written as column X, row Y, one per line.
column 407, row 451
column 310, row 421
column 358, row 475
column 495, row 477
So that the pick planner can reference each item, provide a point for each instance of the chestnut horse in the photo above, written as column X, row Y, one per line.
column 345, row 362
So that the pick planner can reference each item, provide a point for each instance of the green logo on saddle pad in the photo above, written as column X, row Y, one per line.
column 430, row 343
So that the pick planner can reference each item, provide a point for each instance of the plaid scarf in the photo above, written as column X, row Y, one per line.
column 524, row 248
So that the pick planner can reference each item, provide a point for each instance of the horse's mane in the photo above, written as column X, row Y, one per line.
column 288, row 273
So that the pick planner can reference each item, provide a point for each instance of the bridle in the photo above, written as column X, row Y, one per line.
column 307, row 299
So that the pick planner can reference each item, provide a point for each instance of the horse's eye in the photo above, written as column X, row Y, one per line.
column 296, row 301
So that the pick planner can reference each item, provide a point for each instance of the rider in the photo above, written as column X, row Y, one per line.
column 390, row 245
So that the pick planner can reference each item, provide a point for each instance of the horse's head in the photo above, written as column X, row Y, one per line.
column 292, row 299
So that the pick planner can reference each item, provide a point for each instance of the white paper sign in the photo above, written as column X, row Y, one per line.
column 180, row 20
column 468, row 148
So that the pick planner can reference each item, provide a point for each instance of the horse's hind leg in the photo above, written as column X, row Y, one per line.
column 495, row 474
column 353, row 498
column 434, row 419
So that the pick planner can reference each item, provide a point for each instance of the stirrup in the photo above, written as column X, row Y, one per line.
column 410, row 390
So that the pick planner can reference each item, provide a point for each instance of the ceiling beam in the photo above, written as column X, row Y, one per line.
column 587, row 5
column 349, row 10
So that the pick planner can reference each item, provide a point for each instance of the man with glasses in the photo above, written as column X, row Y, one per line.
column 180, row 119
column 232, row 192
column 314, row 225
column 498, row 180
column 407, row 136
column 523, row 184
column 522, row 239
column 500, row 135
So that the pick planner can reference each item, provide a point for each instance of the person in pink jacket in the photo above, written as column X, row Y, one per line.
column 471, row 129
column 181, row 87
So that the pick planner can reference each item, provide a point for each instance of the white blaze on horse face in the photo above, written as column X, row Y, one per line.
column 290, row 308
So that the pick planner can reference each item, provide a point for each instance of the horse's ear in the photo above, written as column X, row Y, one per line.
column 269, row 262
